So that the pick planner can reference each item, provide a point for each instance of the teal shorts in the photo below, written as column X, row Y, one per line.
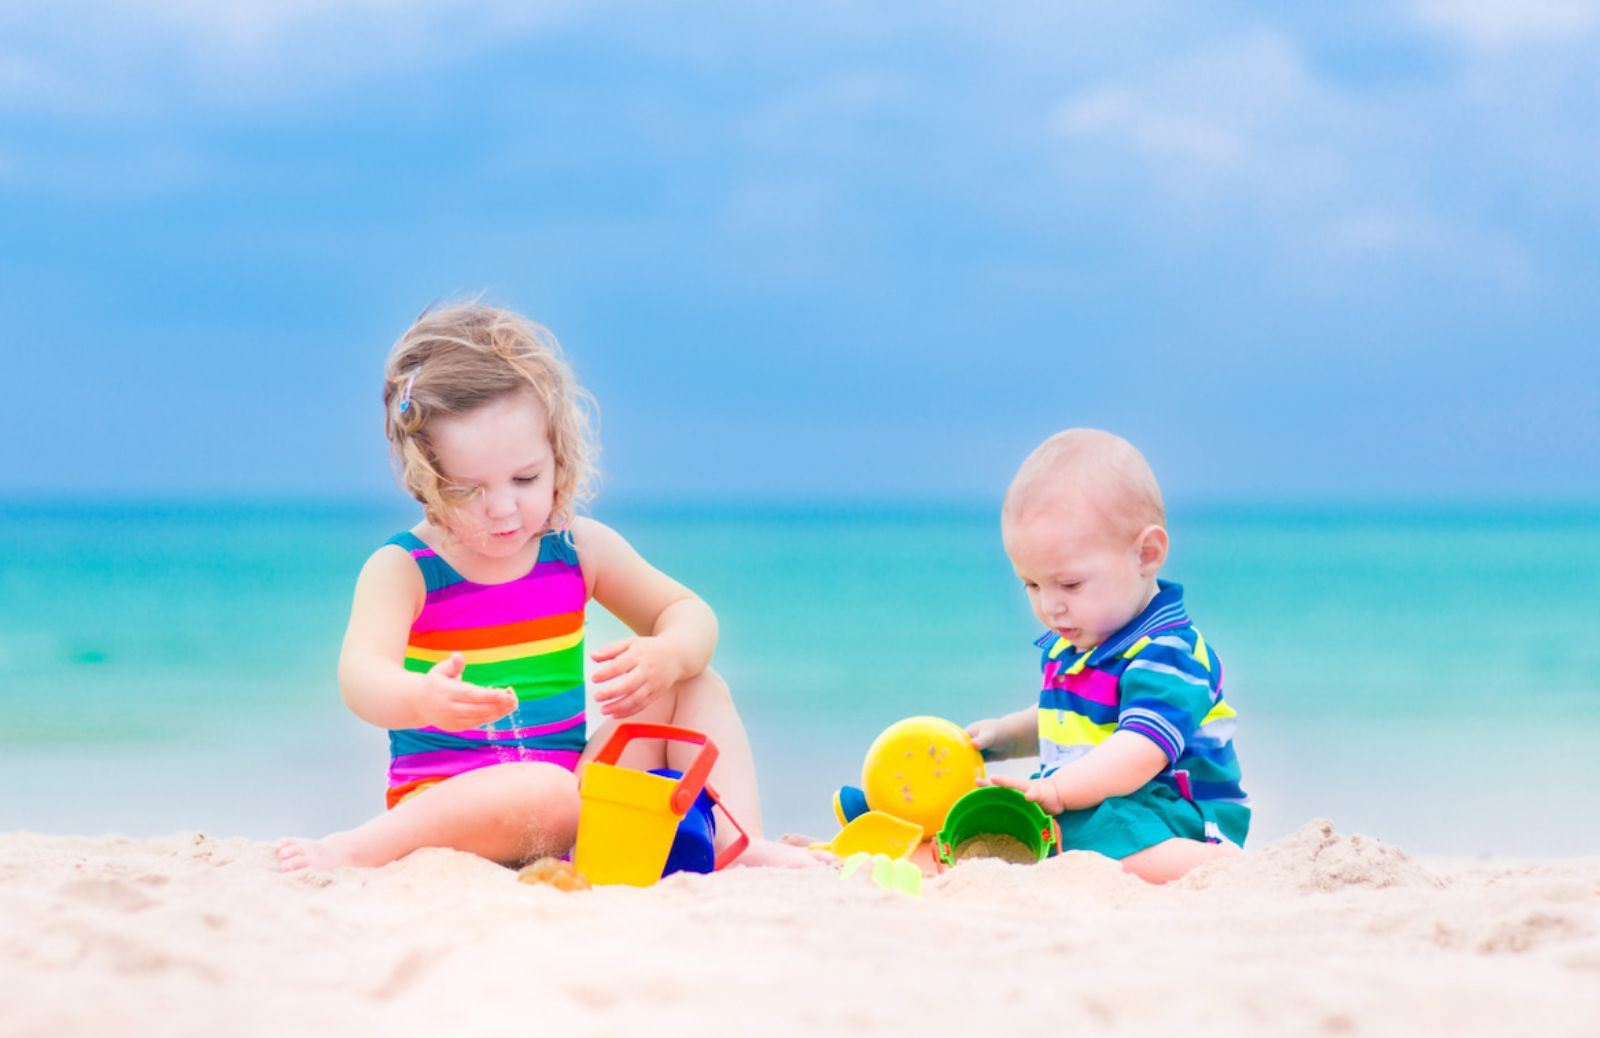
column 1150, row 815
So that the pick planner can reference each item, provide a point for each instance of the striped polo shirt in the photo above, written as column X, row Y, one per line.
column 1156, row 676
column 526, row 635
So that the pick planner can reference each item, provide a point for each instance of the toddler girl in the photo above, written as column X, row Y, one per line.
column 466, row 635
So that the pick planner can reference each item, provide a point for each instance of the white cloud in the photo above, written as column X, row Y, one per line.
column 1366, row 235
column 108, row 58
column 1246, row 137
column 831, row 108
column 1116, row 111
column 1244, row 121
column 1502, row 24
column 803, row 149
column 1377, row 232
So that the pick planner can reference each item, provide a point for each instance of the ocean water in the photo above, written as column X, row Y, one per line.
column 1429, row 676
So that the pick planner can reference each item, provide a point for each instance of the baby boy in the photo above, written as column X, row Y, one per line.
column 1134, row 737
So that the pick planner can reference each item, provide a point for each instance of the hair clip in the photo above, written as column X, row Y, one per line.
column 405, row 394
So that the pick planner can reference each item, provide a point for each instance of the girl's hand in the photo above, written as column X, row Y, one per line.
column 455, row 705
column 1043, row 792
column 639, row 670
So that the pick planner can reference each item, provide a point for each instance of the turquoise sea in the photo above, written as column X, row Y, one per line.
column 1427, row 675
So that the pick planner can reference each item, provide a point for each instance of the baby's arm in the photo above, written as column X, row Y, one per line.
column 372, row 673
column 1165, row 695
column 677, row 631
column 1116, row 767
column 1002, row 738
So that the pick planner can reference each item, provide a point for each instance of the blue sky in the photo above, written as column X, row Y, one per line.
column 1347, row 252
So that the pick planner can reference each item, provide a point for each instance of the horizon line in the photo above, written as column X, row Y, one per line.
column 1205, row 505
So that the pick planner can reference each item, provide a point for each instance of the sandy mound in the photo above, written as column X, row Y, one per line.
column 1320, row 932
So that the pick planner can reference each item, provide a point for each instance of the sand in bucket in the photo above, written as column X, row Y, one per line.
column 995, row 845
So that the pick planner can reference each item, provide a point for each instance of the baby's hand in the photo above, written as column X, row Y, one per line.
column 990, row 738
column 1043, row 792
column 454, row 705
column 639, row 669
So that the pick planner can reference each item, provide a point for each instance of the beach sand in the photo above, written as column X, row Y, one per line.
column 1318, row 933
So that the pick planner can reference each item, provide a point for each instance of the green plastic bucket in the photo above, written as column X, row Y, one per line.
column 997, row 811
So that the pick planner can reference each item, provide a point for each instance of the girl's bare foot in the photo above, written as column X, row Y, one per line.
column 781, row 854
column 330, row 852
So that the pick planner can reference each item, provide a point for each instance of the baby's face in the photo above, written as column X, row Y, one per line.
column 1083, row 580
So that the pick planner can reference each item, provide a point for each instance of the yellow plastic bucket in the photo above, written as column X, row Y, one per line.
column 627, row 818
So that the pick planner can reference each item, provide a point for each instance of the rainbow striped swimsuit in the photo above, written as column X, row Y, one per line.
column 526, row 634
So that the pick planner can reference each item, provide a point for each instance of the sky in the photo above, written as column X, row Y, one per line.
column 853, row 250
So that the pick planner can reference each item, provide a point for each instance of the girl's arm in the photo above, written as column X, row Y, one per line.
column 372, row 673
column 677, row 631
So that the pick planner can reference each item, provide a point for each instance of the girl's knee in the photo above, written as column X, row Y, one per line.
column 702, row 703
column 548, row 784
column 705, row 687
column 689, row 698
column 541, row 798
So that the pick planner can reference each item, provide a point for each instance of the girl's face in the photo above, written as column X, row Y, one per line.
column 500, row 472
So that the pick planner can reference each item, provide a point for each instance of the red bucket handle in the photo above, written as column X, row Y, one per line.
column 694, row 776
column 734, row 849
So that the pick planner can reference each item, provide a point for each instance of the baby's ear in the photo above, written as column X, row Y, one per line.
column 1152, row 549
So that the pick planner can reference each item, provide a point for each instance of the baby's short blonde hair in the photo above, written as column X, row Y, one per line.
column 1093, row 469
column 457, row 358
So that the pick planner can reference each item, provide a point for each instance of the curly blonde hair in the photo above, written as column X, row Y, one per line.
column 459, row 357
